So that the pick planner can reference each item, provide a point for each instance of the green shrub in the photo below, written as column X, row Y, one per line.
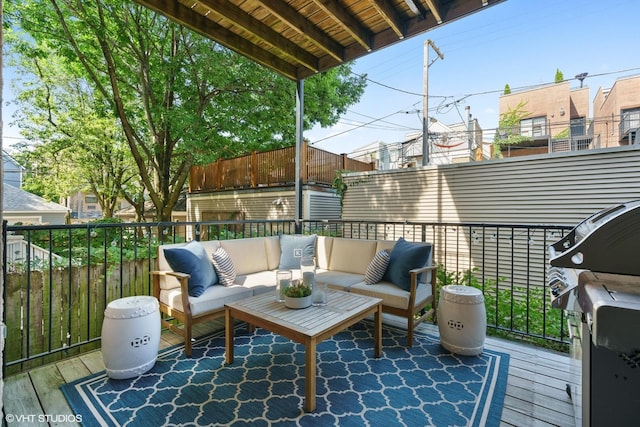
column 514, row 312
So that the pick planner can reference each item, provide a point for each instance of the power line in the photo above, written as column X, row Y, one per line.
column 357, row 127
column 393, row 88
column 391, row 126
column 454, row 104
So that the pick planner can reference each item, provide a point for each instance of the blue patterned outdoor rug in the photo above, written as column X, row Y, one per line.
column 421, row 386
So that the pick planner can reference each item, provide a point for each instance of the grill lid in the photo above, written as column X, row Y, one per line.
column 607, row 241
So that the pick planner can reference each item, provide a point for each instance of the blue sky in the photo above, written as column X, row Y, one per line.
column 519, row 42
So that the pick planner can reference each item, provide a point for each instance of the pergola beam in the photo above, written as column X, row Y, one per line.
column 434, row 7
column 390, row 15
column 262, row 32
column 201, row 24
column 304, row 28
column 300, row 38
column 347, row 22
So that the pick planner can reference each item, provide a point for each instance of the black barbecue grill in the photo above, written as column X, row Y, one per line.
column 594, row 275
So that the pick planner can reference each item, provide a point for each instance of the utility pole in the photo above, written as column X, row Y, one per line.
column 425, row 100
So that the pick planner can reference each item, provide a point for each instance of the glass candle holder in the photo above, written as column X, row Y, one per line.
column 283, row 281
column 319, row 294
column 308, row 270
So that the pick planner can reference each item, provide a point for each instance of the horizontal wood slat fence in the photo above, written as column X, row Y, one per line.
column 273, row 168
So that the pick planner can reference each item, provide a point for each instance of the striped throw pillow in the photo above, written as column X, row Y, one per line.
column 224, row 266
column 377, row 267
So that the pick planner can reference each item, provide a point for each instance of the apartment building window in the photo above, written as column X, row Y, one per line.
column 630, row 119
column 90, row 198
column 536, row 126
column 579, row 126
column 395, row 154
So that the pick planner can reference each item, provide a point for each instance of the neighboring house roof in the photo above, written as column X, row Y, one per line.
column 13, row 171
column 149, row 208
column 8, row 158
column 16, row 200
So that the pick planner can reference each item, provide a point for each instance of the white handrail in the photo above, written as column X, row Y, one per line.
column 17, row 249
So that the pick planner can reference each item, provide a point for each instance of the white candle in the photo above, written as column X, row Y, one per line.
column 307, row 278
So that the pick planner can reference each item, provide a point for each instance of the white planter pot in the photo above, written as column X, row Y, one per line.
column 303, row 302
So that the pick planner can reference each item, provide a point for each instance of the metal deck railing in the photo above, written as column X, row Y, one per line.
column 54, row 303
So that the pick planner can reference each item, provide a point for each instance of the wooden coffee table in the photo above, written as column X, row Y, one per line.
column 308, row 326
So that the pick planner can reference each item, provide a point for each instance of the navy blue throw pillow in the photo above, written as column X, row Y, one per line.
column 405, row 256
column 192, row 259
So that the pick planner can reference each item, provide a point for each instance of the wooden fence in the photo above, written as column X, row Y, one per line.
column 273, row 168
column 60, row 311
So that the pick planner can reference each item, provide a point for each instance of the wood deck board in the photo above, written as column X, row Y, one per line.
column 21, row 398
column 53, row 402
column 535, row 395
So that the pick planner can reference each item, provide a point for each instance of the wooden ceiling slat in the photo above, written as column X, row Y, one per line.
column 249, row 25
column 199, row 23
column 298, row 38
column 291, row 17
column 435, row 9
column 347, row 22
column 390, row 15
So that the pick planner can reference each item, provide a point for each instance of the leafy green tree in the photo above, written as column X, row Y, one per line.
column 508, row 132
column 84, row 149
column 179, row 98
column 559, row 76
column 507, row 89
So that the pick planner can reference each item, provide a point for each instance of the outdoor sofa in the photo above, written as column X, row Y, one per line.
column 245, row 267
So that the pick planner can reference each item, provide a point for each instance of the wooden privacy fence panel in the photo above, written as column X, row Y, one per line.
column 271, row 168
column 275, row 167
column 60, row 312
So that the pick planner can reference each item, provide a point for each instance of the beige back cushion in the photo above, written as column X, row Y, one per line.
column 385, row 244
column 210, row 246
column 272, row 246
column 323, row 251
column 352, row 255
column 248, row 255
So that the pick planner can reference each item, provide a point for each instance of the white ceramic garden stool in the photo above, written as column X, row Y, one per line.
column 462, row 320
column 130, row 336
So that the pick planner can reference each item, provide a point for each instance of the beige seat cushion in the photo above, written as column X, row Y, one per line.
column 385, row 244
column 263, row 281
column 272, row 246
column 390, row 294
column 338, row 279
column 213, row 298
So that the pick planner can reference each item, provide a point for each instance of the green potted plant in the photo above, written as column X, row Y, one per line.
column 298, row 295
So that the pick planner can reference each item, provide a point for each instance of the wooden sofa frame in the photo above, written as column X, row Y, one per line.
column 185, row 317
column 415, row 313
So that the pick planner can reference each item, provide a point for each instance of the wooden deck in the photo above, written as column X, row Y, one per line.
column 535, row 396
